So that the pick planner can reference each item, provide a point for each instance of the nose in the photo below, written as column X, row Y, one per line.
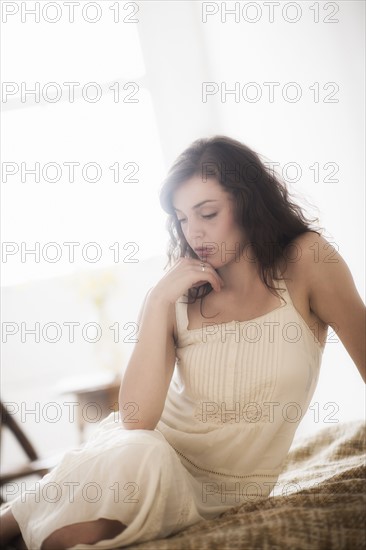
column 194, row 231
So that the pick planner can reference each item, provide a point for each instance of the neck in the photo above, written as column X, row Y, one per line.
column 240, row 277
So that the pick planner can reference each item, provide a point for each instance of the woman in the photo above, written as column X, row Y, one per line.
column 192, row 442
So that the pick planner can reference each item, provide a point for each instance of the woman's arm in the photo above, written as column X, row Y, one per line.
column 148, row 374
column 149, row 371
column 334, row 297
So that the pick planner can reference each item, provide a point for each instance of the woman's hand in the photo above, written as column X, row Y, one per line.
column 184, row 274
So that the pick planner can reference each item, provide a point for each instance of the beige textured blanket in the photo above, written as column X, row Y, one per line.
column 319, row 502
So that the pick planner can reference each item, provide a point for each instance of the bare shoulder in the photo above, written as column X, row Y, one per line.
column 297, row 271
column 307, row 250
column 315, row 260
column 301, row 254
column 315, row 266
column 324, row 275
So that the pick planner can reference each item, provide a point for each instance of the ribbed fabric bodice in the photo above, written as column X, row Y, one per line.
column 239, row 391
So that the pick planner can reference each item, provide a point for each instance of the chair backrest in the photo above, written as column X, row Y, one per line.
column 33, row 465
column 7, row 420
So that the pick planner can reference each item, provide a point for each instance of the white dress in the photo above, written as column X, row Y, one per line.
column 238, row 393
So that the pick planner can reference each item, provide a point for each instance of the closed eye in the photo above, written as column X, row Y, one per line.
column 207, row 217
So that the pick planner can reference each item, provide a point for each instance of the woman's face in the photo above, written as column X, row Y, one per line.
column 205, row 212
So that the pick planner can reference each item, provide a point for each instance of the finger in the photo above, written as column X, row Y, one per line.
column 216, row 282
column 210, row 269
column 199, row 283
column 209, row 279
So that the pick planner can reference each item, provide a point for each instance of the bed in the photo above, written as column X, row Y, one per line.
column 319, row 502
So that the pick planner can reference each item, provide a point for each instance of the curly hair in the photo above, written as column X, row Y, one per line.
column 263, row 207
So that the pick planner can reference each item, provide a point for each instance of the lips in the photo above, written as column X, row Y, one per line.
column 204, row 250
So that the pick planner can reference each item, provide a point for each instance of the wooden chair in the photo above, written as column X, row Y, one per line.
column 33, row 464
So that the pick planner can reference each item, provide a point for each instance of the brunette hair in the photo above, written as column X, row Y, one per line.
column 263, row 207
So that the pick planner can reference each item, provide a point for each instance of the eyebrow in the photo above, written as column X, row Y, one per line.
column 196, row 205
